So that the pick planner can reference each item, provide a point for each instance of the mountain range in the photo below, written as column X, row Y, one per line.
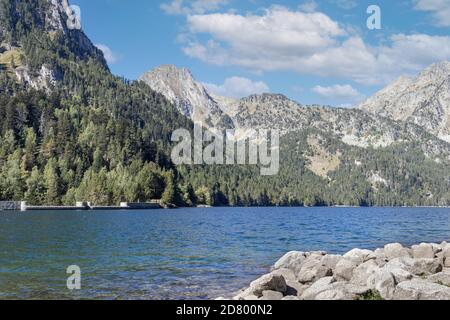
column 407, row 110
column 72, row 131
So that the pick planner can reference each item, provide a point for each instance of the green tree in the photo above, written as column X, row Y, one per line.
column 36, row 189
column 52, row 183
column 169, row 195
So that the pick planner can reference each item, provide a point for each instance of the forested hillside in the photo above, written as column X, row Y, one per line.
column 71, row 131
column 89, row 135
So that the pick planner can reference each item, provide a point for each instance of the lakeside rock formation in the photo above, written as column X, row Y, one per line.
column 421, row 272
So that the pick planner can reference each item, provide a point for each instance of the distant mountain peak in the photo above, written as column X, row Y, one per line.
column 265, row 97
column 423, row 100
column 436, row 72
column 171, row 70
column 190, row 97
column 442, row 66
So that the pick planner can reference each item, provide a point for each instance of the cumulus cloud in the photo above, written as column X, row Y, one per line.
column 238, row 87
column 440, row 10
column 308, row 43
column 109, row 55
column 338, row 91
column 182, row 7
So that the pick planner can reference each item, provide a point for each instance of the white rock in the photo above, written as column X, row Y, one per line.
column 442, row 278
column 395, row 250
column 243, row 294
column 380, row 257
column 290, row 298
column 360, row 256
column 287, row 274
column 446, row 255
column 423, row 250
column 332, row 294
column 447, row 262
column 294, row 287
column 312, row 269
column 436, row 247
column 319, row 253
column 362, row 273
column 269, row 282
column 292, row 260
column 330, row 261
column 418, row 267
column 271, row 295
column 342, row 291
column 383, row 281
column 317, row 287
column 418, row 289
column 400, row 275
column 344, row 269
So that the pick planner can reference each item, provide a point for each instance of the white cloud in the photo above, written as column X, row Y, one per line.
column 337, row 91
column 109, row 55
column 308, row 43
column 238, row 87
column 440, row 10
column 346, row 4
column 180, row 7
column 309, row 6
column 278, row 32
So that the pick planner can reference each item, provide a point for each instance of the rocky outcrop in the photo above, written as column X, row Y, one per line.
column 424, row 100
column 391, row 273
column 189, row 96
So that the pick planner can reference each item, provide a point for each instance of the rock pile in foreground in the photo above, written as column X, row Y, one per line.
column 392, row 273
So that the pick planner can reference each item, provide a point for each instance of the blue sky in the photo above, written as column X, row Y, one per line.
column 312, row 51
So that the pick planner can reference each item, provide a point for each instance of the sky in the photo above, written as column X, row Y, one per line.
column 314, row 51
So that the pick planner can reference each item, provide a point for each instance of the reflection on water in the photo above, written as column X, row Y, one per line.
column 186, row 253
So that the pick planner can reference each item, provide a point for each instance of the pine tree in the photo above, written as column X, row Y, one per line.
column 36, row 189
column 52, row 183
column 169, row 195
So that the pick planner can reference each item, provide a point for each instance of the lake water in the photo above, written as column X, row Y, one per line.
column 186, row 253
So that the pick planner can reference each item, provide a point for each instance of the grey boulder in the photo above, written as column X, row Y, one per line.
column 313, row 269
column 344, row 269
column 418, row 289
column 442, row 278
column 423, row 251
column 418, row 267
column 396, row 250
column 271, row 295
column 292, row 261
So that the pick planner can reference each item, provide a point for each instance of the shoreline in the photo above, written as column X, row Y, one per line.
column 420, row 272
column 173, row 207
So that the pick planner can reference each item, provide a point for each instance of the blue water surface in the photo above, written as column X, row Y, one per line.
column 186, row 253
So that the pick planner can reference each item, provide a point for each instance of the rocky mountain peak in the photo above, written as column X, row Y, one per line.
column 424, row 100
column 171, row 72
column 190, row 97
column 437, row 69
column 56, row 14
